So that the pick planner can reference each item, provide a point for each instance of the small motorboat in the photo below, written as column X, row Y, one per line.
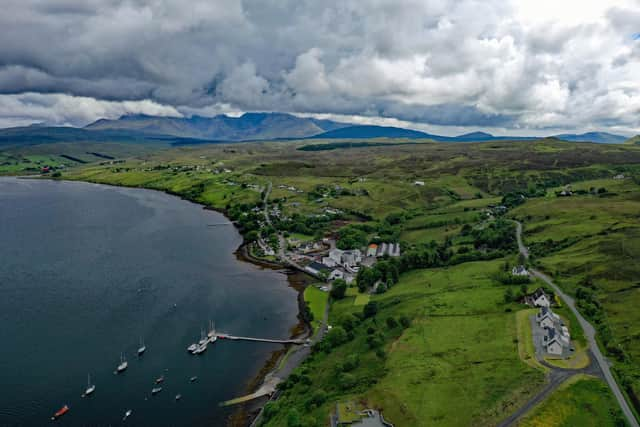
column 160, row 379
column 192, row 348
column 60, row 412
column 178, row 396
column 127, row 414
column 90, row 387
column 193, row 379
column 156, row 390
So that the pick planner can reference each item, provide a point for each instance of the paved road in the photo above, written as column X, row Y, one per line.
column 556, row 377
column 589, row 332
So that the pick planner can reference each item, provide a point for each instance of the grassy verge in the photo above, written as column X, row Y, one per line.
column 526, row 349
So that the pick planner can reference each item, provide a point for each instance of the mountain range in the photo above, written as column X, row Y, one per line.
column 249, row 126
column 140, row 128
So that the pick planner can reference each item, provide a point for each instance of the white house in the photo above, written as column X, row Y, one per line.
column 519, row 270
column 546, row 318
column 554, row 346
column 546, row 322
column 419, row 183
column 538, row 298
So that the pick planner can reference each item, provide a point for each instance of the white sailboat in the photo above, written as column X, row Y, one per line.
column 90, row 387
column 127, row 414
column 212, row 332
column 142, row 347
column 203, row 339
column 123, row 364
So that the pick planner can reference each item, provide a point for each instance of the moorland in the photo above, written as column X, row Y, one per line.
column 440, row 342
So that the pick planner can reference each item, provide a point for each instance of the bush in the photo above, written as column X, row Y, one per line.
column 347, row 381
column 351, row 238
column 391, row 322
column 270, row 409
column 405, row 322
column 336, row 336
column 339, row 289
column 348, row 321
column 370, row 309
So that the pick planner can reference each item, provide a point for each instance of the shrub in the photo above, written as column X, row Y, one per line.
column 339, row 289
column 391, row 322
column 405, row 322
column 370, row 309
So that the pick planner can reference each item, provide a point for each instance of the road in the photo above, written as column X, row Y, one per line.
column 589, row 332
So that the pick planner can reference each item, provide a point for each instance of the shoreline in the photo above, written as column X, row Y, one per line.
column 247, row 413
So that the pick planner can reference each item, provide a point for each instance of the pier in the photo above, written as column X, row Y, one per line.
column 275, row 341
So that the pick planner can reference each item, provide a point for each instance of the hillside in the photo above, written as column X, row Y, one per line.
column 633, row 140
column 371, row 131
column 600, row 137
column 36, row 135
column 249, row 126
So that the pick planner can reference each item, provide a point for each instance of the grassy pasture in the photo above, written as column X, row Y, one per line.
column 456, row 364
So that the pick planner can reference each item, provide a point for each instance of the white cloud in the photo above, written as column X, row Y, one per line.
column 60, row 109
column 509, row 64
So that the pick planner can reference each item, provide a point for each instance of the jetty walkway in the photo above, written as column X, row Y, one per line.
column 233, row 337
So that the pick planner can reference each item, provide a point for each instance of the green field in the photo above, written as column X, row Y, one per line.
column 582, row 401
column 456, row 364
column 317, row 301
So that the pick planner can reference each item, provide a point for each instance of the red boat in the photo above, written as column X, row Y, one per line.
column 60, row 413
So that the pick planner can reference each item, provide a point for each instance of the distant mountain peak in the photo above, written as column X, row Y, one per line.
column 371, row 131
column 476, row 135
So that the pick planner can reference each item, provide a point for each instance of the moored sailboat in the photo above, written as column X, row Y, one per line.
column 90, row 387
column 123, row 364
column 142, row 347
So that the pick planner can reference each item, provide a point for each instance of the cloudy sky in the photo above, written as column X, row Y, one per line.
column 448, row 66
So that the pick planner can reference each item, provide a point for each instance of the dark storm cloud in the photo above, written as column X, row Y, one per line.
column 441, row 62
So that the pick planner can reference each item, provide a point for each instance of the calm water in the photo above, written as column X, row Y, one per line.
column 86, row 270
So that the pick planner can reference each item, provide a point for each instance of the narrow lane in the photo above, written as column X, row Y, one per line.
column 589, row 332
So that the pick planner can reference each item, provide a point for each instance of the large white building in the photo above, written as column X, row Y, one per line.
column 350, row 258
